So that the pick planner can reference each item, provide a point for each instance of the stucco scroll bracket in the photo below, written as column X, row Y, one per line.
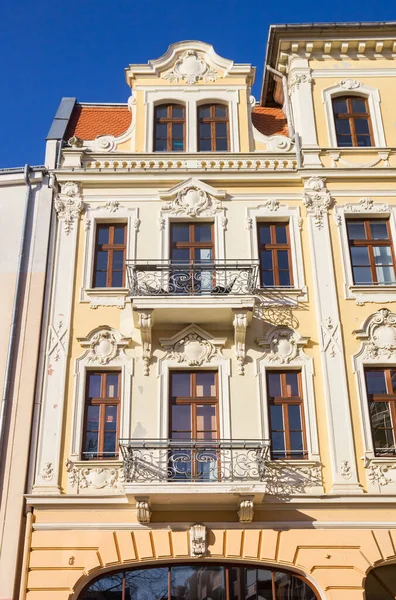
column 69, row 205
column 198, row 540
column 246, row 510
column 143, row 512
column 240, row 326
column 145, row 324
column 317, row 199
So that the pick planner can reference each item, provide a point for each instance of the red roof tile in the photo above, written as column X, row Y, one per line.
column 270, row 120
column 87, row 122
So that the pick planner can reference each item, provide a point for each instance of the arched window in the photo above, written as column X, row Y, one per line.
column 213, row 128
column 381, row 583
column 201, row 582
column 169, row 128
column 352, row 121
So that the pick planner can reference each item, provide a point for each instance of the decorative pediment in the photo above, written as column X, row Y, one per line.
column 378, row 336
column 192, row 346
column 282, row 345
column 104, row 345
column 193, row 198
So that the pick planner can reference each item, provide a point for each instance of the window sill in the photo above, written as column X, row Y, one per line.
column 372, row 293
column 106, row 297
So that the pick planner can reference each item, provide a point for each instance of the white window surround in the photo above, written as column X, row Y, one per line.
column 112, row 210
column 191, row 98
column 271, row 210
column 105, row 350
column 366, row 208
column 378, row 349
column 352, row 87
column 284, row 351
column 193, row 348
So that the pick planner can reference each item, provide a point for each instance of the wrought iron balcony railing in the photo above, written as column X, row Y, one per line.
column 162, row 460
column 213, row 278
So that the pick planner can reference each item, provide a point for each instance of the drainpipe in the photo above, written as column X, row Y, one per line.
column 293, row 135
column 15, row 308
column 26, row 552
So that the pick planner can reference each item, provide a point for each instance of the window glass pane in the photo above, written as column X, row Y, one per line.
column 117, row 279
column 358, row 105
column 203, row 255
column 119, row 234
column 379, row 230
column 100, row 279
column 108, row 586
column 266, row 259
column 340, row 105
column 287, row 586
column 296, row 444
column 180, row 255
column 205, row 145
column 94, row 382
column 382, row 255
column 161, row 131
column 361, row 126
column 393, row 381
column 205, row 382
column 146, row 584
column 284, row 278
column 180, row 232
column 177, row 145
column 112, row 385
column 93, row 417
column 180, row 384
column 181, row 417
column 267, row 278
column 264, row 234
column 342, row 126
column 204, row 111
column 109, row 443
column 375, row 381
column 381, row 426
column 161, row 112
column 385, row 275
column 264, row 585
column 280, row 234
column 221, row 144
column 101, row 260
column 177, row 112
column 91, row 444
column 292, row 383
column 344, row 141
column 221, row 130
column 278, row 444
column 204, row 130
column 274, row 384
column 206, row 417
column 356, row 230
column 177, row 131
column 118, row 259
column 111, row 418
column 294, row 417
column 276, row 416
column 161, row 145
column 362, row 275
column 103, row 235
column 197, row 582
column 283, row 259
column 363, row 140
column 203, row 232
column 360, row 256
column 220, row 111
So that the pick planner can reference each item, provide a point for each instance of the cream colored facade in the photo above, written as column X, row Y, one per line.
column 329, row 517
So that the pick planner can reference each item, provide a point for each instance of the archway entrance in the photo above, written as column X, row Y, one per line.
column 381, row 583
column 199, row 582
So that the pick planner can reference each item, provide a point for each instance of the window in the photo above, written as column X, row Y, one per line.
column 102, row 415
column 213, row 132
column 275, row 255
column 381, row 395
column 286, row 415
column 194, row 415
column 191, row 244
column 169, row 128
column 110, row 246
column 352, row 121
column 371, row 251
column 199, row 582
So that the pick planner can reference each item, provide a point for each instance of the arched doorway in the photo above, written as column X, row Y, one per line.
column 381, row 583
column 199, row 582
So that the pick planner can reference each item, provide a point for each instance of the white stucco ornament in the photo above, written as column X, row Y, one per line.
column 191, row 68
column 193, row 350
column 379, row 336
column 193, row 201
column 198, row 540
column 69, row 205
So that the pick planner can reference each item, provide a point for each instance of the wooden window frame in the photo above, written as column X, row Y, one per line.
column 285, row 401
column 274, row 247
column 169, row 120
column 102, row 401
column 389, row 398
column 192, row 245
column 110, row 248
column 212, row 120
column 351, row 117
column 370, row 242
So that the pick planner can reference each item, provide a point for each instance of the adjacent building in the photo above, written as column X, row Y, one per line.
column 217, row 415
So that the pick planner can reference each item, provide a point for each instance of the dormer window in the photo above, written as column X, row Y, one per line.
column 213, row 129
column 352, row 121
column 169, row 128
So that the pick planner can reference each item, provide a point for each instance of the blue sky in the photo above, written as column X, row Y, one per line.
column 52, row 48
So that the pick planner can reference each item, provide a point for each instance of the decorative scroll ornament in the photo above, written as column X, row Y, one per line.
column 330, row 336
column 297, row 80
column 104, row 143
column 48, row 472
column 193, row 350
column 198, row 540
column 377, row 473
column 345, row 470
column 282, row 345
column 246, row 511
column 366, row 205
column 192, row 201
column 191, row 68
column 317, row 199
column 112, row 205
column 69, row 205
column 145, row 325
column 104, row 345
column 350, row 84
column 88, row 479
column 379, row 336
column 240, row 325
column 75, row 142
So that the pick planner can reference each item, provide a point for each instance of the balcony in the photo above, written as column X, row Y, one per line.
column 162, row 468
column 212, row 289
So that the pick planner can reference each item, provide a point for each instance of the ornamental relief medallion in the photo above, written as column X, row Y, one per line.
column 193, row 350
column 191, row 68
column 379, row 336
column 193, row 202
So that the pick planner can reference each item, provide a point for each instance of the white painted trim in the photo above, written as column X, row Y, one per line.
column 363, row 293
column 365, row 91
column 348, row 73
column 273, row 211
column 97, row 213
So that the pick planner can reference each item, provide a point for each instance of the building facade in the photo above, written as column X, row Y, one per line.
column 217, row 408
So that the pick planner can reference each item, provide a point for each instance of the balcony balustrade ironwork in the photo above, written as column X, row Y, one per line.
column 163, row 460
column 212, row 278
